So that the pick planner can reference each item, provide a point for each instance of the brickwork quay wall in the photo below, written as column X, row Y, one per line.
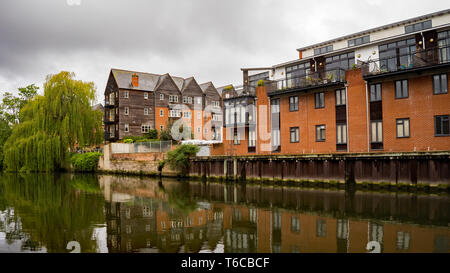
column 432, row 169
column 133, row 163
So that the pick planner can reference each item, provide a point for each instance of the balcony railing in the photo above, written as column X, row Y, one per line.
column 422, row 58
column 311, row 80
column 109, row 103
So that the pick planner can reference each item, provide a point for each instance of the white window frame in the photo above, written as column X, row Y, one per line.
column 126, row 111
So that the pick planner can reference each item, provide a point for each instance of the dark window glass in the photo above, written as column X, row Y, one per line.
column 441, row 125
column 375, row 92
column 401, row 89
column 440, row 85
column 294, row 131
column 320, row 100
column 293, row 103
column 418, row 26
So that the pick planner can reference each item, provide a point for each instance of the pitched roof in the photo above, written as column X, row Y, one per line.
column 147, row 81
column 205, row 86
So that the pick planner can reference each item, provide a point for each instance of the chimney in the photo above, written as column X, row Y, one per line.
column 135, row 80
column 300, row 54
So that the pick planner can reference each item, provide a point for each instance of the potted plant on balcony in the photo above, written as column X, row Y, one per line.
column 308, row 80
column 330, row 77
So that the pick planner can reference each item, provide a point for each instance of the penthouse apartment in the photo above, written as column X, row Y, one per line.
column 380, row 90
column 136, row 102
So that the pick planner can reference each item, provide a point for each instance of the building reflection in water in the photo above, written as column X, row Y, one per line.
column 146, row 216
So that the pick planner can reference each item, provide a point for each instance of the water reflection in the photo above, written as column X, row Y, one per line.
column 130, row 214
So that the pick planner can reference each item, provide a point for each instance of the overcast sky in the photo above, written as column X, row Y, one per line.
column 208, row 39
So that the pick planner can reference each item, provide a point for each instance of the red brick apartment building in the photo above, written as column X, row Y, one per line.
column 380, row 90
column 136, row 102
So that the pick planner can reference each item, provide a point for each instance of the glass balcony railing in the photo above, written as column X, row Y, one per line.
column 311, row 80
column 403, row 62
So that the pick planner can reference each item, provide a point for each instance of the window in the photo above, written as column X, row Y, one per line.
column 293, row 104
column 341, row 133
column 175, row 113
column 299, row 70
column 375, row 92
column 397, row 55
column 294, row 131
column 145, row 128
column 401, row 89
column 295, row 224
column 320, row 100
column 146, row 95
column 403, row 127
column 320, row 133
column 344, row 61
column 359, row 41
column 340, row 97
column 146, row 111
column 216, row 117
column 321, row 228
column 199, row 130
column 403, row 239
column 173, row 98
column 161, row 96
column 276, row 137
column 323, row 50
column 216, row 103
column 377, row 131
column 127, row 128
column 126, row 94
column 198, row 100
column 161, row 113
column 418, row 26
column 161, row 127
column 187, row 114
column 252, row 138
column 442, row 125
column 236, row 139
column 440, row 85
column 444, row 46
column 127, row 111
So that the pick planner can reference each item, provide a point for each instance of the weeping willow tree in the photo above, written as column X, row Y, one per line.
column 54, row 124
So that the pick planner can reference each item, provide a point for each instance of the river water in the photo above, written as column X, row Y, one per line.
column 106, row 213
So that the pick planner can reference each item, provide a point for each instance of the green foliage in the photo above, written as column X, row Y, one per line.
column 128, row 140
column 152, row 134
column 5, row 132
column 87, row 162
column 260, row 83
column 54, row 209
column 178, row 159
column 12, row 105
column 161, row 165
column 54, row 124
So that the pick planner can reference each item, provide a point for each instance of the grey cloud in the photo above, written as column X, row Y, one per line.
column 208, row 39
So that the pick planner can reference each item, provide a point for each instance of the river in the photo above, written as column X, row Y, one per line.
column 108, row 213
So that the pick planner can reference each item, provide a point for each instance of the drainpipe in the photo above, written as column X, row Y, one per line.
column 367, row 113
column 423, row 40
column 346, row 114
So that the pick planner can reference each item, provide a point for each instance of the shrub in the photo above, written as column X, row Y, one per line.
column 161, row 165
column 260, row 83
column 128, row 140
column 178, row 159
column 152, row 134
column 87, row 162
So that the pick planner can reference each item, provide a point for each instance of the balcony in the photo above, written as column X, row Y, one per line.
column 110, row 136
column 420, row 60
column 313, row 80
column 109, row 103
column 110, row 119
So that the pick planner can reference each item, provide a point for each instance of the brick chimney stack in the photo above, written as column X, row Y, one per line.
column 135, row 80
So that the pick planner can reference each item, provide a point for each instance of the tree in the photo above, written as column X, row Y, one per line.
column 152, row 134
column 10, row 112
column 179, row 159
column 12, row 105
column 54, row 124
